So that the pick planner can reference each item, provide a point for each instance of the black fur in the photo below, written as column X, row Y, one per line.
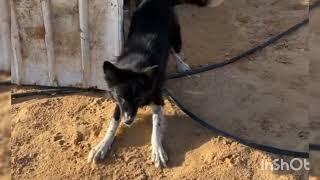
column 137, row 77
column 177, row 2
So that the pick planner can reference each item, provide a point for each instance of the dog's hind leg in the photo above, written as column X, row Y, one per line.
column 176, row 44
column 99, row 152
column 158, row 156
column 181, row 65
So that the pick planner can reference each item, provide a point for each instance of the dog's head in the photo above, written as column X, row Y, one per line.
column 129, row 89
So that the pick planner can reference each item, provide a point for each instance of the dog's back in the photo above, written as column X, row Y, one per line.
column 148, row 43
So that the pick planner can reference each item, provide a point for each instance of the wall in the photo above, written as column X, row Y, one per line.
column 5, row 40
column 51, row 50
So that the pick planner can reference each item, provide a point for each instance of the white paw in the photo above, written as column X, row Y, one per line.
column 183, row 67
column 159, row 156
column 215, row 3
column 98, row 153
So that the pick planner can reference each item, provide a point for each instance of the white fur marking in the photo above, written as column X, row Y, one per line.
column 158, row 155
column 181, row 65
column 126, row 116
column 215, row 3
column 100, row 150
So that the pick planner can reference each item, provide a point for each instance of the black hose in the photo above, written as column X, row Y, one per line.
column 251, row 144
column 314, row 147
column 314, row 5
column 5, row 83
column 47, row 92
column 240, row 56
column 245, row 53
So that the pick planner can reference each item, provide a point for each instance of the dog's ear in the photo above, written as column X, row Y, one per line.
column 111, row 73
column 149, row 70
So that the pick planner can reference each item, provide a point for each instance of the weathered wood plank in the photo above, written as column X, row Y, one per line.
column 85, row 42
column 16, row 47
column 5, row 36
column 46, row 10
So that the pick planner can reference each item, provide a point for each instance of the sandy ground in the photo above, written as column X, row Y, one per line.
column 314, row 161
column 4, row 129
column 264, row 98
column 51, row 136
column 314, row 86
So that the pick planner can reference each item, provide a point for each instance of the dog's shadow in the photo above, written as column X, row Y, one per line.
column 181, row 136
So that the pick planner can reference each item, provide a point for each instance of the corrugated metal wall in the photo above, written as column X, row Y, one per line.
column 60, row 42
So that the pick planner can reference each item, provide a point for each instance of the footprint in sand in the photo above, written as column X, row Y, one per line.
column 59, row 138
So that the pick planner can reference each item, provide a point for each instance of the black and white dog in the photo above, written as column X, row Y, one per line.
column 137, row 77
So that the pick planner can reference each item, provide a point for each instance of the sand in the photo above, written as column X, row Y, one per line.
column 4, row 129
column 52, row 136
column 263, row 98
column 314, row 86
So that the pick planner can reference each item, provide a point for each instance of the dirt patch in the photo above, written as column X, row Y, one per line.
column 58, row 132
column 35, row 32
column 213, row 34
column 4, row 128
column 314, row 86
column 263, row 98
column 314, row 162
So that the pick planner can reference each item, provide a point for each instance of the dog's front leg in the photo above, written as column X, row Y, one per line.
column 158, row 156
column 99, row 151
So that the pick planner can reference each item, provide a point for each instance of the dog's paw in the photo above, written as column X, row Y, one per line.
column 98, row 153
column 159, row 156
column 183, row 67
